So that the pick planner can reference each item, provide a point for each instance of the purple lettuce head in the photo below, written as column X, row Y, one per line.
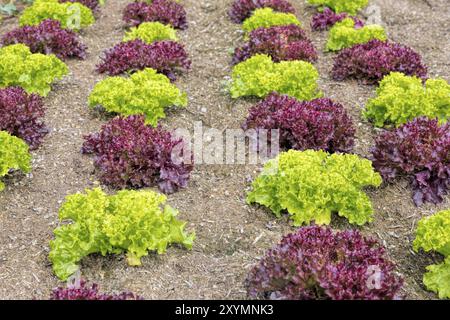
column 83, row 292
column 421, row 150
column 130, row 154
column 21, row 115
column 48, row 38
column 164, row 11
column 167, row 57
column 281, row 43
column 328, row 18
column 374, row 60
column 316, row 264
column 242, row 9
column 91, row 4
column 320, row 124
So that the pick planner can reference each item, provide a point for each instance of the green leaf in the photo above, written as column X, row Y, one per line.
column 402, row 98
column 259, row 76
column 311, row 185
column 433, row 233
column 437, row 279
column 266, row 18
column 131, row 222
column 344, row 35
column 338, row 6
column 33, row 72
column 150, row 32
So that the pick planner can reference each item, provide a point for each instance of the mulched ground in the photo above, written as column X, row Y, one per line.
column 231, row 235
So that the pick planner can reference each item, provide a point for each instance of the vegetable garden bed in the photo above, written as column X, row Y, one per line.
column 231, row 236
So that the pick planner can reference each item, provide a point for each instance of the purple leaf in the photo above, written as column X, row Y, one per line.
column 164, row 11
column 21, row 115
column 130, row 154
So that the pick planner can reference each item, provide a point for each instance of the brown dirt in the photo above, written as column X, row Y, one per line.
column 231, row 235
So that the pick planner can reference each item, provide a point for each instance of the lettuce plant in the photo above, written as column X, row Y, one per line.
column 433, row 234
column 311, row 185
column 48, row 38
column 91, row 4
column 281, row 43
column 81, row 291
column 328, row 18
column 266, row 18
column 318, row 264
column 164, row 11
column 320, row 124
column 338, row 6
column 134, row 222
column 33, row 72
column 130, row 154
column 420, row 150
column 21, row 115
column 242, row 9
column 145, row 92
column 167, row 57
column 345, row 34
column 71, row 15
column 374, row 60
column 14, row 155
column 150, row 32
column 259, row 76
column 402, row 98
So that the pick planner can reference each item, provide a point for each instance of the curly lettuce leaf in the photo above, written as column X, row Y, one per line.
column 311, row 185
column 437, row 279
column 267, row 17
column 259, row 76
column 402, row 98
column 150, row 32
column 433, row 233
column 130, row 221
column 338, row 6
column 71, row 15
column 33, row 72
column 145, row 93
column 344, row 35
column 14, row 155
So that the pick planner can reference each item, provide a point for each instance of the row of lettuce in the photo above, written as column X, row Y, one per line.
column 318, row 174
column 131, row 151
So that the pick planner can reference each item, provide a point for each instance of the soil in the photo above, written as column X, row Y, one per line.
column 231, row 235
